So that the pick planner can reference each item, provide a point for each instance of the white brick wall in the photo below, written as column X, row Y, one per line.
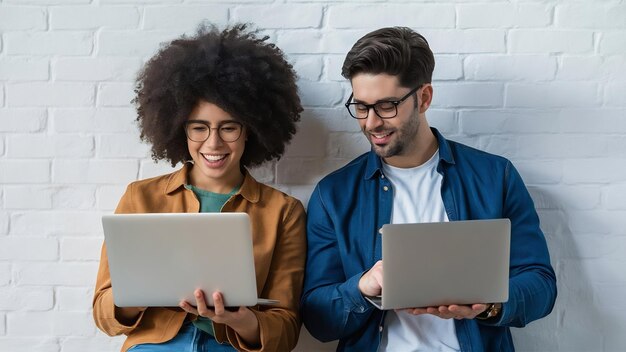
column 182, row 17
column 359, row 16
column 541, row 82
column 29, row 248
column 506, row 15
column 107, row 120
column 115, row 94
column 280, row 16
column 91, row 17
column 22, row 18
column 22, row 120
column 48, row 43
column 612, row 42
column 24, row 68
column 26, row 94
column 31, row 299
column 5, row 271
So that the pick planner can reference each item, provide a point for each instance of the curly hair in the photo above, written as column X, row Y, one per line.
column 233, row 69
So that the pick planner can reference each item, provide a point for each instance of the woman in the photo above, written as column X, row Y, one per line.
column 226, row 101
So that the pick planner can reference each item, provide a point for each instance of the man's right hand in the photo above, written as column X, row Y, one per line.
column 371, row 283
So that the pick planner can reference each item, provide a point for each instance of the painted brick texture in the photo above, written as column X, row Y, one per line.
column 540, row 82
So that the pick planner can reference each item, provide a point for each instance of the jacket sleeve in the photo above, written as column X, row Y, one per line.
column 332, row 305
column 103, row 307
column 532, row 282
column 280, row 325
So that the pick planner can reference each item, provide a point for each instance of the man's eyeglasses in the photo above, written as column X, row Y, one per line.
column 199, row 131
column 384, row 109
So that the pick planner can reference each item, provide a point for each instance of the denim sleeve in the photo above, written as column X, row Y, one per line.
column 532, row 282
column 332, row 305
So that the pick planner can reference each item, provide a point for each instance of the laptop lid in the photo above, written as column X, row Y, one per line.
column 457, row 262
column 156, row 260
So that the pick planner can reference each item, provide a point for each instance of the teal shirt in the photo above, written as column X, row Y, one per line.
column 209, row 203
column 212, row 202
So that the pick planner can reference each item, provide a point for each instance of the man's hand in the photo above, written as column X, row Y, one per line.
column 371, row 283
column 453, row 311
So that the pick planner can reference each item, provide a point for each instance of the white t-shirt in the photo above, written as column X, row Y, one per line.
column 417, row 198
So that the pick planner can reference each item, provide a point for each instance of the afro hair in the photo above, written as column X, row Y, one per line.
column 233, row 69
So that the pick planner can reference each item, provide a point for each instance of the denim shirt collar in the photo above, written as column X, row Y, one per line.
column 375, row 164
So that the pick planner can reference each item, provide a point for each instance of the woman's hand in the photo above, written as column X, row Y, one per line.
column 242, row 320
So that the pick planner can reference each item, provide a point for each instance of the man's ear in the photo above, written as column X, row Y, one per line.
column 426, row 97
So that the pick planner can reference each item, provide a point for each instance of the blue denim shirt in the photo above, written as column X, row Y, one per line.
column 349, row 206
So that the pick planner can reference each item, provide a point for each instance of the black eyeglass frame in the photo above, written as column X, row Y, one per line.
column 187, row 123
column 373, row 106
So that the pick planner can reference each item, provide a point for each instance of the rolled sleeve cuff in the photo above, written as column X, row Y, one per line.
column 353, row 298
column 110, row 322
column 504, row 316
column 239, row 344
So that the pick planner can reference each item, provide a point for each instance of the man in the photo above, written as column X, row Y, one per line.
column 412, row 174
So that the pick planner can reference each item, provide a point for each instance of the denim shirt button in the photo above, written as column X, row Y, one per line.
column 385, row 188
column 380, row 328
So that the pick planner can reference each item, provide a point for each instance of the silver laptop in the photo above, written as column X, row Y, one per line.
column 432, row 264
column 156, row 260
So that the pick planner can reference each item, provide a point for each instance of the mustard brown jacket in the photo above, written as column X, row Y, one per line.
column 278, row 230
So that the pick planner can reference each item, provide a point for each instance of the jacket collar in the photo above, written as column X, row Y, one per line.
column 445, row 153
column 250, row 189
column 375, row 164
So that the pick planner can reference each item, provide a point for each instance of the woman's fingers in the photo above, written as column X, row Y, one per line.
column 188, row 307
column 218, row 302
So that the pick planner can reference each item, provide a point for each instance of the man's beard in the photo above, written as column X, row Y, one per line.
column 403, row 138
column 389, row 150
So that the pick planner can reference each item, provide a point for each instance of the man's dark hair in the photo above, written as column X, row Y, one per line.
column 233, row 69
column 396, row 51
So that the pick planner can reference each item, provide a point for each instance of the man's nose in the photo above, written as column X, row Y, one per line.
column 372, row 121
